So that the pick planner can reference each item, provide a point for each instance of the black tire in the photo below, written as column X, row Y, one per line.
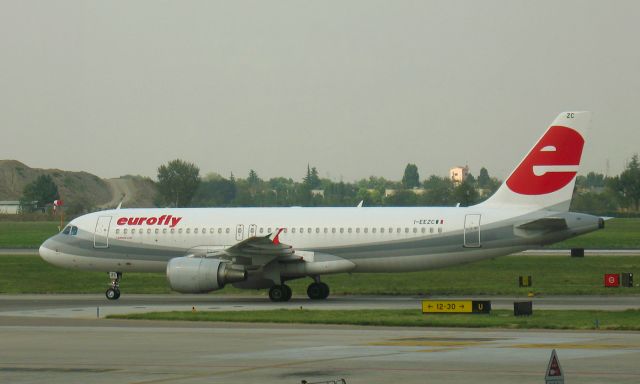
column 277, row 293
column 117, row 294
column 112, row 294
column 314, row 291
column 325, row 291
column 287, row 293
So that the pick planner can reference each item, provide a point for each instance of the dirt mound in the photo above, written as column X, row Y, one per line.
column 81, row 191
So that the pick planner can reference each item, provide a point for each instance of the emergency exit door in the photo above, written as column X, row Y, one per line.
column 472, row 231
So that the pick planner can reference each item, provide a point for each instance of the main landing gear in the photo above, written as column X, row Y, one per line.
column 279, row 293
column 113, row 293
column 318, row 290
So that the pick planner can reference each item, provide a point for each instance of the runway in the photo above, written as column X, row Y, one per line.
column 90, row 306
column 58, row 339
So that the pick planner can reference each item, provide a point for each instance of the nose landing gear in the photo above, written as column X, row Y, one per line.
column 113, row 293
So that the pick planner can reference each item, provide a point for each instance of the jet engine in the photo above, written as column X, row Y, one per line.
column 200, row 275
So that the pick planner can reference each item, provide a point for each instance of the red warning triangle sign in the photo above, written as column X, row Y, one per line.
column 554, row 370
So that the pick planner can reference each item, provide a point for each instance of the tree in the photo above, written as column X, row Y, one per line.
column 483, row 178
column 253, row 178
column 178, row 181
column 465, row 194
column 311, row 180
column 411, row 178
column 629, row 182
column 42, row 190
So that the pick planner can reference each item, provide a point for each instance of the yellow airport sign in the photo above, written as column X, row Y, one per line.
column 456, row 306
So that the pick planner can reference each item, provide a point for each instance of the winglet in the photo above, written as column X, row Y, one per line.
column 276, row 238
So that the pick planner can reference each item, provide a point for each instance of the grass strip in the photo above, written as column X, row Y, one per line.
column 551, row 275
column 26, row 234
column 541, row 319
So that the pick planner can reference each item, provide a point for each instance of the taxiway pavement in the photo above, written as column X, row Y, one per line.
column 58, row 339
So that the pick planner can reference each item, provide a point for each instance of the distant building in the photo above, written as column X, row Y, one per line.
column 459, row 174
column 317, row 192
column 418, row 191
column 9, row 207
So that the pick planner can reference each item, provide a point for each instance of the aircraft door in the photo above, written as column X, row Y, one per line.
column 239, row 232
column 472, row 231
column 252, row 230
column 101, row 234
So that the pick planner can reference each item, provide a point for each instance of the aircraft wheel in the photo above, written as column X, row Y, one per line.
column 278, row 293
column 314, row 291
column 288, row 293
column 112, row 294
column 325, row 291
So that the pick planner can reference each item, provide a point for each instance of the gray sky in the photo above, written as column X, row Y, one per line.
column 356, row 88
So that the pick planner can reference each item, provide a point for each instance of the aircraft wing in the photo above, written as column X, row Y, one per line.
column 545, row 223
column 256, row 250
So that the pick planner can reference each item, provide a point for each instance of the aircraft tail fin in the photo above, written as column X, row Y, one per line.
column 545, row 178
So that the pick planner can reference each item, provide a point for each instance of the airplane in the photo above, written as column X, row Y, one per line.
column 203, row 249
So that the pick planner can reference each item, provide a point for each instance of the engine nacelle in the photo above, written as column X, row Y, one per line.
column 200, row 275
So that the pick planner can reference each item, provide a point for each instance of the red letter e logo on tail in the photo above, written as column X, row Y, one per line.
column 550, row 165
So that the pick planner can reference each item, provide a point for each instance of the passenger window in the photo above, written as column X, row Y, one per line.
column 228, row 230
column 261, row 230
column 284, row 230
column 74, row 230
column 415, row 230
column 179, row 230
column 211, row 230
column 293, row 230
column 164, row 230
column 406, row 230
column 67, row 229
column 195, row 231
column 125, row 231
column 341, row 230
column 366, row 230
column 269, row 230
column 424, row 229
column 317, row 230
column 431, row 230
column 333, row 230
column 117, row 231
column 439, row 229
column 373, row 230
column 148, row 230
column 219, row 230
column 399, row 229
column 382, row 230
column 308, row 230
column 157, row 231
column 390, row 230
column 326, row 230
column 140, row 231
column 358, row 230
column 301, row 230
column 349, row 230
column 204, row 231
column 173, row 230
column 188, row 230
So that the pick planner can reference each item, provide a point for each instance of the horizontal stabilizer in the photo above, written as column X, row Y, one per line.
column 546, row 223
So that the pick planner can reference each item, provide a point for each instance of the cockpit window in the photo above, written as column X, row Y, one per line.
column 74, row 230
column 67, row 229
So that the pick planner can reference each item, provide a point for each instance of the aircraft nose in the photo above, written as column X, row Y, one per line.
column 45, row 251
